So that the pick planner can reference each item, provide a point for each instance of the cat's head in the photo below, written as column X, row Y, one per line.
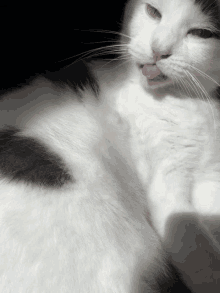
column 182, row 37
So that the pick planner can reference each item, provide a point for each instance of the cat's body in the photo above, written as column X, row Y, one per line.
column 89, row 234
column 112, row 172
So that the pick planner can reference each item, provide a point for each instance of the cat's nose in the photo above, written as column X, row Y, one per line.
column 159, row 55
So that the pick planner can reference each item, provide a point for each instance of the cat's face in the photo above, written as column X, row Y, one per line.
column 174, row 40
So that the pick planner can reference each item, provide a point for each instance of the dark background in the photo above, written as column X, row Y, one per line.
column 36, row 35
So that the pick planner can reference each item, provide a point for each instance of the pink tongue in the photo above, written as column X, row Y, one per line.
column 150, row 71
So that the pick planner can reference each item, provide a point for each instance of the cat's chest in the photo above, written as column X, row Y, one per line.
column 168, row 129
column 157, row 119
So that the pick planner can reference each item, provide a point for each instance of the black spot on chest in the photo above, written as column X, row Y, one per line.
column 25, row 159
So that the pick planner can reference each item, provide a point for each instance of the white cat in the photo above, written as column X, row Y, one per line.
column 99, row 185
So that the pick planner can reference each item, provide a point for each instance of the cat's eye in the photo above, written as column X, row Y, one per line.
column 201, row 33
column 153, row 12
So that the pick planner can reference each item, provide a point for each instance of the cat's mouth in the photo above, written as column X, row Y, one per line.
column 153, row 73
column 160, row 77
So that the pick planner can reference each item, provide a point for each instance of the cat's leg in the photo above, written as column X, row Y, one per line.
column 168, row 194
column 194, row 251
column 191, row 248
column 206, row 200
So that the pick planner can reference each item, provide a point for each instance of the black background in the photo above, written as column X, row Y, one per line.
column 36, row 35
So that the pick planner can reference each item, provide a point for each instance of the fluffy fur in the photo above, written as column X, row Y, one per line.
column 144, row 164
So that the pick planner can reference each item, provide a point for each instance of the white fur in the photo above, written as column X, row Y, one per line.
column 90, row 236
column 137, row 151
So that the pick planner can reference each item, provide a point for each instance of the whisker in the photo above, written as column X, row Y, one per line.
column 109, row 41
column 119, row 58
column 122, row 63
column 97, row 52
column 204, row 74
column 184, row 86
column 84, row 54
column 121, row 54
column 191, row 88
column 106, row 31
column 200, row 86
column 197, row 85
column 180, row 83
column 193, row 85
column 176, row 82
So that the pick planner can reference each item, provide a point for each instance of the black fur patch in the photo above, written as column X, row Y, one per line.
column 212, row 9
column 25, row 159
column 207, row 6
column 77, row 76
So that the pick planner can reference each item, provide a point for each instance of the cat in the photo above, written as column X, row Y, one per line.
column 111, row 176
